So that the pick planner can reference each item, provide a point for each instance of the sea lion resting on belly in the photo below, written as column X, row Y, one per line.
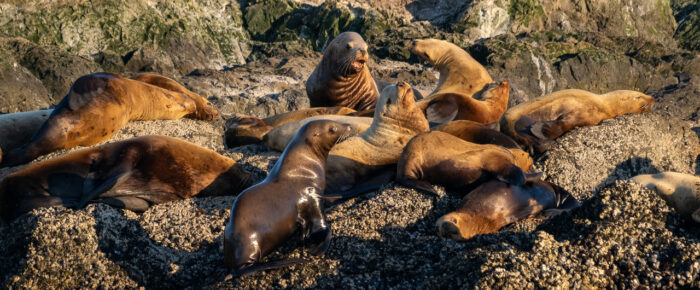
column 98, row 105
column 280, row 137
column 535, row 124
column 357, row 162
column 290, row 198
column 243, row 130
column 131, row 174
column 440, row 158
column 496, row 204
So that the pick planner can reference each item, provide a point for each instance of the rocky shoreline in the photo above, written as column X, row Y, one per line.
column 252, row 57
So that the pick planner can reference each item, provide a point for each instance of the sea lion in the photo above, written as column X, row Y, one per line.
column 461, row 77
column 440, row 158
column 289, row 198
column 342, row 78
column 477, row 133
column 535, row 124
column 17, row 128
column 280, row 137
column 100, row 104
column 131, row 174
column 681, row 191
column 243, row 130
column 367, row 160
column 496, row 204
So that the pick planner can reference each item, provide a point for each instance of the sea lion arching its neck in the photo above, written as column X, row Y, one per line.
column 342, row 77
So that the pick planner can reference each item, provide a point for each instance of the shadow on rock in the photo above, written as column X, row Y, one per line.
column 15, row 238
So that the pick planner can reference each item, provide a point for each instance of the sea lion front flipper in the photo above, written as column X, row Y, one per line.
column 549, row 130
column 319, row 241
column 131, row 203
column 102, row 187
column 442, row 111
column 418, row 184
column 566, row 202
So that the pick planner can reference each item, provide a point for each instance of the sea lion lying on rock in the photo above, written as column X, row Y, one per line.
column 681, row 191
column 290, row 198
column 535, row 124
column 440, row 158
column 280, row 137
column 100, row 104
column 367, row 160
column 132, row 174
column 496, row 204
column 17, row 128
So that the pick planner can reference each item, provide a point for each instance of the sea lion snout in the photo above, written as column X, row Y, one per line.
column 448, row 226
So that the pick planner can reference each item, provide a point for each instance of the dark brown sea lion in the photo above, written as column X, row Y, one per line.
column 535, row 124
column 369, row 159
column 342, row 78
column 477, row 133
column 496, row 204
column 440, row 158
column 290, row 198
column 243, row 130
column 131, row 174
column 100, row 104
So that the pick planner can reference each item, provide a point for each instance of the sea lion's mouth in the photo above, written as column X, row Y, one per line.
column 358, row 64
column 645, row 107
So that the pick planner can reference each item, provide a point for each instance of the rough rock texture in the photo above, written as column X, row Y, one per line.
column 253, row 57
column 687, row 14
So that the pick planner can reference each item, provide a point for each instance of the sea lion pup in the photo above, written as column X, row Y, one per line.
column 681, row 191
column 342, row 78
column 440, row 158
column 280, row 137
column 461, row 77
column 132, row 174
column 289, row 198
column 243, row 130
column 100, row 104
column 496, row 204
column 17, row 128
column 367, row 160
column 535, row 124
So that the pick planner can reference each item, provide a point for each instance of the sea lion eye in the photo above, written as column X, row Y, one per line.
column 333, row 129
column 349, row 46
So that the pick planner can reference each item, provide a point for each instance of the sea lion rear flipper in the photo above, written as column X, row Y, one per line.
column 319, row 241
column 441, row 111
column 418, row 184
column 548, row 130
column 567, row 202
column 510, row 173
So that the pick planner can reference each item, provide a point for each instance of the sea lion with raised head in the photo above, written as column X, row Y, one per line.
column 368, row 160
column 278, row 138
column 100, row 104
column 243, row 130
column 681, row 191
column 132, row 174
column 288, row 199
column 461, row 77
column 496, row 204
column 535, row 124
column 342, row 77
column 440, row 158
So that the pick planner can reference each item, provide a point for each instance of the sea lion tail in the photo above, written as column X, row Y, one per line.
column 257, row 267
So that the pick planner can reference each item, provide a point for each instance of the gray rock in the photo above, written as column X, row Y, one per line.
column 19, row 90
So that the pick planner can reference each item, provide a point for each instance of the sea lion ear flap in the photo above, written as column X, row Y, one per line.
column 533, row 176
column 512, row 174
column 441, row 111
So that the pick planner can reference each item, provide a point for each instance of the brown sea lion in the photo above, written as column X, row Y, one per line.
column 368, row 159
column 280, row 137
column 243, row 130
column 100, row 104
column 440, row 158
column 477, row 133
column 535, row 124
column 17, row 128
column 342, row 78
column 132, row 174
column 461, row 77
column 496, row 204
column 681, row 191
column 290, row 198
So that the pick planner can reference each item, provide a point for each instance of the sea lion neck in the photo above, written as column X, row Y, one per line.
column 302, row 160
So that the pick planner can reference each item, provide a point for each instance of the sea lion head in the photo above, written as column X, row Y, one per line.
column 397, row 105
column 243, row 130
column 632, row 101
column 322, row 135
column 461, row 225
column 430, row 49
column 346, row 54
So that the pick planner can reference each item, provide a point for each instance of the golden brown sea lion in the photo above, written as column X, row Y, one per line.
column 243, row 130
column 441, row 158
column 290, row 198
column 17, row 128
column 131, row 174
column 357, row 162
column 342, row 78
column 280, row 137
column 100, row 104
column 535, row 124
column 496, row 204
column 681, row 191
column 461, row 77
column 477, row 133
